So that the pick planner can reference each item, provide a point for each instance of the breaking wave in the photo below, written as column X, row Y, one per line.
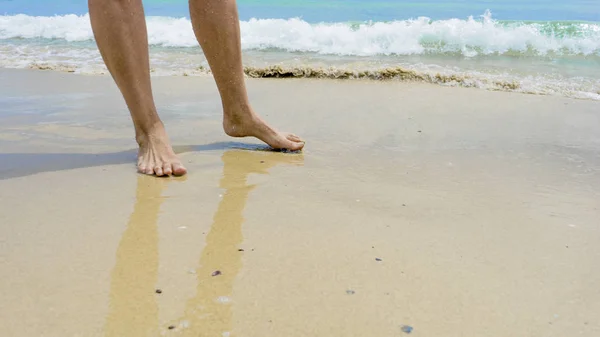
column 469, row 37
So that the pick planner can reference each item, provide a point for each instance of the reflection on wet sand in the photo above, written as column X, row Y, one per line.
column 210, row 311
column 133, row 308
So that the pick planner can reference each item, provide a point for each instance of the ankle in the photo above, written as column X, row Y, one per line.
column 237, row 110
column 238, row 124
column 145, row 133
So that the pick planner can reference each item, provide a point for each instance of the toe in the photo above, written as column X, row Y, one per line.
column 289, row 145
column 293, row 138
column 293, row 143
column 167, row 170
column 178, row 169
column 158, row 171
column 296, row 146
column 149, row 171
column 141, row 165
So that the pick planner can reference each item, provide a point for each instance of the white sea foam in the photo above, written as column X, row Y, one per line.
column 469, row 37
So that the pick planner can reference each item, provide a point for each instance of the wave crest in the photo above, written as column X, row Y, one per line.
column 468, row 37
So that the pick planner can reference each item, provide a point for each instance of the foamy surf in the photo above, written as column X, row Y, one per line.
column 537, row 85
column 469, row 37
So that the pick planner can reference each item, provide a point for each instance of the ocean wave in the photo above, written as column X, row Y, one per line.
column 469, row 37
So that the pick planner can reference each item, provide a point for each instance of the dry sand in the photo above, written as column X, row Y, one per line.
column 456, row 212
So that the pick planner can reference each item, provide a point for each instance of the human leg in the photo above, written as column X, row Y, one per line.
column 216, row 25
column 120, row 32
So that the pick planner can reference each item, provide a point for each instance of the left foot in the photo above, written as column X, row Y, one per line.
column 156, row 157
column 251, row 125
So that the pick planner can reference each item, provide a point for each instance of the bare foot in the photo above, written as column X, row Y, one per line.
column 249, row 124
column 156, row 157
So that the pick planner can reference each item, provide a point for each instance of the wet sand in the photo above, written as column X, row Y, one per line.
column 456, row 212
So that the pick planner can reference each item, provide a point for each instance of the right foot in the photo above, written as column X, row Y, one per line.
column 248, row 123
column 156, row 157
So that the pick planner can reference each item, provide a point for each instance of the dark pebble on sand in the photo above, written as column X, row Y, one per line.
column 350, row 292
column 407, row 329
column 378, row 259
column 262, row 161
column 171, row 327
column 216, row 273
column 240, row 250
column 158, row 291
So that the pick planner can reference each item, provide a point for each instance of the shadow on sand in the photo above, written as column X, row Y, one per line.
column 14, row 165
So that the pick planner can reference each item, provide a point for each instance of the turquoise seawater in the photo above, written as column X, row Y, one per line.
column 347, row 10
column 536, row 46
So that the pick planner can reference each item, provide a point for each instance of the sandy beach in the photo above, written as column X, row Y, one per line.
column 415, row 209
